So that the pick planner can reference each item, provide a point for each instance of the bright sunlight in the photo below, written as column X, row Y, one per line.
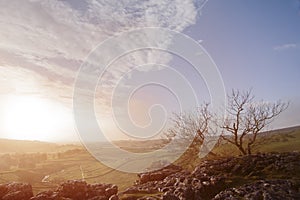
column 32, row 118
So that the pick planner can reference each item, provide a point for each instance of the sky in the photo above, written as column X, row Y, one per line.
column 45, row 44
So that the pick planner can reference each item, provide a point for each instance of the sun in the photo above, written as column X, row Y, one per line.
column 31, row 118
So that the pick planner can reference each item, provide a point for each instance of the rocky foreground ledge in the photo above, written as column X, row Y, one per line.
column 261, row 176
column 70, row 190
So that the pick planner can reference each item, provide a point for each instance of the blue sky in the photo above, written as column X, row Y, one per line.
column 255, row 44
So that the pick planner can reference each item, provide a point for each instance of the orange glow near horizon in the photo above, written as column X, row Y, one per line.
column 32, row 118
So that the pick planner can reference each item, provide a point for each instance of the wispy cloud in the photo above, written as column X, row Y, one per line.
column 285, row 47
column 52, row 38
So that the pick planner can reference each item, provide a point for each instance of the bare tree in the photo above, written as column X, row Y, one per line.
column 246, row 119
column 192, row 128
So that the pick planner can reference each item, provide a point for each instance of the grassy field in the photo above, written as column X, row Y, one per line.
column 65, row 162
column 56, row 169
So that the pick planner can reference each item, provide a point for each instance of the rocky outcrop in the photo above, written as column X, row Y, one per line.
column 177, row 185
column 259, row 165
column 263, row 189
column 70, row 190
column 80, row 190
column 15, row 191
column 158, row 175
column 211, row 177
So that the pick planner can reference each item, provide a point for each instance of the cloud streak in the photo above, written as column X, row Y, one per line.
column 52, row 38
column 285, row 47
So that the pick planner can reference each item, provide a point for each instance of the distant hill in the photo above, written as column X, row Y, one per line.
column 279, row 140
column 25, row 146
column 283, row 130
column 282, row 140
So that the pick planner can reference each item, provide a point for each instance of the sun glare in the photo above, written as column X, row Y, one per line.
column 32, row 118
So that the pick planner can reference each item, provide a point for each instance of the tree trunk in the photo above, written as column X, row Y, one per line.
column 249, row 149
column 242, row 150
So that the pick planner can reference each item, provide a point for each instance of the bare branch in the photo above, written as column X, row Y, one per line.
column 248, row 118
column 193, row 127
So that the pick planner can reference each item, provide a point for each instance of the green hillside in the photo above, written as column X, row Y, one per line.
column 281, row 140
